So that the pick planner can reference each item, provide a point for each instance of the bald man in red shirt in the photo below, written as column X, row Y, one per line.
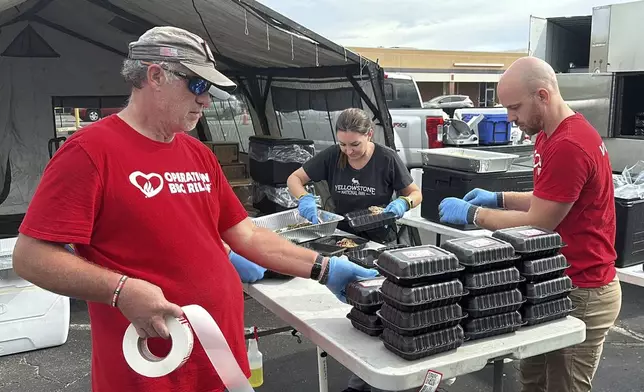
column 573, row 195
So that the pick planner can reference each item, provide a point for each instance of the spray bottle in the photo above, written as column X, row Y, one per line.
column 255, row 360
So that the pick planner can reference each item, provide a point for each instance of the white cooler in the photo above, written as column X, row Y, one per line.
column 30, row 318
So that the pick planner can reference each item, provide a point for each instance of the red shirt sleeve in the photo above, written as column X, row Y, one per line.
column 564, row 171
column 67, row 200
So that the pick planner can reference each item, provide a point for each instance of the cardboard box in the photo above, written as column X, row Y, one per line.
column 235, row 171
column 244, row 191
column 226, row 152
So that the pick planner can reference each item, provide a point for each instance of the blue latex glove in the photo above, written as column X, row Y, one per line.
column 248, row 271
column 342, row 272
column 308, row 209
column 456, row 211
column 398, row 207
column 483, row 198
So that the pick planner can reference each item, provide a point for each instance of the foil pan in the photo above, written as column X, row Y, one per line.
column 470, row 160
column 281, row 220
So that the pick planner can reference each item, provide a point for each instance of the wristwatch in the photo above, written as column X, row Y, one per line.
column 409, row 200
column 317, row 267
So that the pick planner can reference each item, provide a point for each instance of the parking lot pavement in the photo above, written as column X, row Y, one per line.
column 290, row 366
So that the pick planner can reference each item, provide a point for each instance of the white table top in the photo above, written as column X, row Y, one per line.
column 314, row 311
column 422, row 223
column 633, row 275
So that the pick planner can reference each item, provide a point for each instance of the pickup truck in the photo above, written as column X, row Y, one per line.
column 415, row 128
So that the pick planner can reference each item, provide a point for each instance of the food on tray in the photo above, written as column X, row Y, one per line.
column 375, row 210
column 346, row 243
column 293, row 226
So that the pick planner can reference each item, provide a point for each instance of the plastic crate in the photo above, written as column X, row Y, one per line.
column 629, row 239
column 439, row 183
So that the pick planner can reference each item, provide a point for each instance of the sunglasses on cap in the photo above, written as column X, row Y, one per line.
column 196, row 84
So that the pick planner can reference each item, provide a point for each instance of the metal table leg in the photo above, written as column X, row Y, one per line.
column 438, row 239
column 498, row 375
column 322, row 371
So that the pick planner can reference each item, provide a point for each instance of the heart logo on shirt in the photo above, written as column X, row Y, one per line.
column 150, row 184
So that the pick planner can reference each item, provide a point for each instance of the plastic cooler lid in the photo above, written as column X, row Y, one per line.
column 529, row 239
column 474, row 251
column 418, row 261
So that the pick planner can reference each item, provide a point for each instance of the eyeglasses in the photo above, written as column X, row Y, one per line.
column 196, row 85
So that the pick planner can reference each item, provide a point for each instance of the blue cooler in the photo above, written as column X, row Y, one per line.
column 493, row 129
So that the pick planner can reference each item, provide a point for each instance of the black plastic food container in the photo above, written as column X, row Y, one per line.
column 492, row 281
column 417, row 265
column 364, row 220
column 423, row 321
column 411, row 299
column 335, row 240
column 478, row 251
column 548, row 290
column 364, row 322
column 416, row 347
column 547, row 311
column 364, row 257
column 324, row 249
column 494, row 303
column 529, row 241
column 538, row 270
column 479, row 328
column 364, row 295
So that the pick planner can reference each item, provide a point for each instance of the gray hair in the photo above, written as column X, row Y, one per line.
column 354, row 120
column 136, row 73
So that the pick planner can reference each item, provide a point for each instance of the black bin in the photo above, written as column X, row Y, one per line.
column 273, row 159
column 629, row 238
column 439, row 183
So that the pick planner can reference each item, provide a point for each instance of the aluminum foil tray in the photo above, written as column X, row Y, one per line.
column 281, row 220
column 468, row 159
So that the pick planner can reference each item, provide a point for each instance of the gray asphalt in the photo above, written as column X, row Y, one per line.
column 291, row 366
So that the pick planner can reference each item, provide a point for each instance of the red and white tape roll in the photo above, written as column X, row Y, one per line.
column 142, row 361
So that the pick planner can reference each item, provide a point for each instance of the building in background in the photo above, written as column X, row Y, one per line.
column 441, row 72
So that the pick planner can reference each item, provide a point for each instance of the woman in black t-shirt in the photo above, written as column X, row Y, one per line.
column 360, row 174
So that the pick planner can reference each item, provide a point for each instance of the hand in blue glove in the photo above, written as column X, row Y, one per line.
column 456, row 211
column 342, row 272
column 308, row 209
column 248, row 271
column 483, row 198
column 398, row 207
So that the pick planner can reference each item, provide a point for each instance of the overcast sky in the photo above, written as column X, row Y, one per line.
column 495, row 25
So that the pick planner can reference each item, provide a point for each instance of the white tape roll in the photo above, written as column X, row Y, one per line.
column 142, row 361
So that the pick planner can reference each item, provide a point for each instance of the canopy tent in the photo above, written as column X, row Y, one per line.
column 74, row 49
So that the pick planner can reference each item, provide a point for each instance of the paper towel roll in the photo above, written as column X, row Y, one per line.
column 142, row 361
column 417, row 176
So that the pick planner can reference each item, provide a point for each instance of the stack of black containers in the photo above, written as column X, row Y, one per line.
column 542, row 265
column 491, row 279
column 431, row 299
column 364, row 296
column 272, row 160
column 420, row 311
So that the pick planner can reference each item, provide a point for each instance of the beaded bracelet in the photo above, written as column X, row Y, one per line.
column 117, row 290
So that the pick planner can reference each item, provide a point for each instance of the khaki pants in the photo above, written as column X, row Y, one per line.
column 572, row 369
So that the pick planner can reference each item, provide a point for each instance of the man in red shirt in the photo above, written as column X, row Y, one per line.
column 148, row 210
column 573, row 194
